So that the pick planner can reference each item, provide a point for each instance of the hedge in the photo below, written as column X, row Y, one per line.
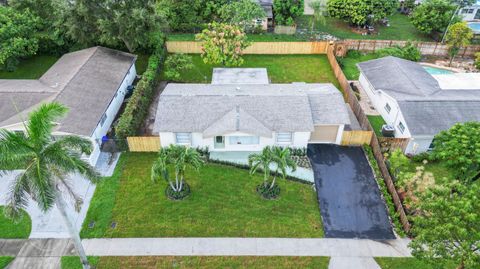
column 137, row 107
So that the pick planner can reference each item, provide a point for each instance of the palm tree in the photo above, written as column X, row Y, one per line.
column 46, row 164
column 319, row 8
column 282, row 159
column 261, row 161
column 181, row 158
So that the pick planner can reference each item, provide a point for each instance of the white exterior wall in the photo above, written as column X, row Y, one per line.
column 111, row 112
column 419, row 144
column 379, row 100
column 469, row 16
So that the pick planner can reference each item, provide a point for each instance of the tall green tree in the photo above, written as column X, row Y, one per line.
column 82, row 22
column 286, row 11
column 180, row 158
column 361, row 12
column 242, row 13
column 181, row 15
column 447, row 228
column 47, row 165
column 459, row 148
column 17, row 36
column 458, row 35
column 433, row 16
column 131, row 23
column 223, row 44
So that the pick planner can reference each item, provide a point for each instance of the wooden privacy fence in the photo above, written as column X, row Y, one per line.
column 143, row 143
column 426, row 48
column 392, row 143
column 356, row 137
column 365, row 124
column 257, row 47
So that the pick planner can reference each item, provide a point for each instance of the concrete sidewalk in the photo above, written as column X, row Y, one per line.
column 246, row 247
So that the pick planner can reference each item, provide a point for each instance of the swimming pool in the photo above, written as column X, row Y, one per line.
column 475, row 26
column 437, row 71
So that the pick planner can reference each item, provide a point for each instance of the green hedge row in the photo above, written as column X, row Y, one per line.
column 137, row 107
column 386, row 195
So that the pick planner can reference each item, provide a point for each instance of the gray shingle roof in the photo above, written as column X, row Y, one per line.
column 85, row 81
column 259, row 109
column 427, row 108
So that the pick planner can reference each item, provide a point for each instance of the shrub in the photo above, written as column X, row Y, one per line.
column 137, row 107
column 477, row 60
column 407, row 52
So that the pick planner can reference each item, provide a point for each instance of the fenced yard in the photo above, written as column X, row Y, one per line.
column 256, row 47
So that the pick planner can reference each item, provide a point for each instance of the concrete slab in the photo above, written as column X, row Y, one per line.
column 35, row 263
column 352, row 262
column 11, row 247
column 47, row 248
column 51, row 223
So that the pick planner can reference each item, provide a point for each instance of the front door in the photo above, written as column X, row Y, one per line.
column 219, row 142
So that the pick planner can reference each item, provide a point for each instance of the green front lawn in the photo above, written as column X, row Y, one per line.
column 377, row 122
column 73, row 262
column 5, row 260
column 410, row 263
column 223, row 203
column 400, row 29
column 10, row 229
column 31, row 68
column 281, row 69
column 213, row 262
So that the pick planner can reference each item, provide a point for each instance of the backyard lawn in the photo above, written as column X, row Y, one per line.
column 377, row 122
column 350, row 61
column 200, row 262
column 400, row 29
column 410, row 263
column 281, row 68
column 10, row 229
column 31, row 68
column 223, row 203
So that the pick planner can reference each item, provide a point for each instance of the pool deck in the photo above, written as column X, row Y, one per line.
column 455, row 70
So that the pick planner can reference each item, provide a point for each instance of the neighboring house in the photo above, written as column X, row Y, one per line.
column 92, row 83
column 417, row 104
column 266, row 22
column 248, row 116
column 470, row 13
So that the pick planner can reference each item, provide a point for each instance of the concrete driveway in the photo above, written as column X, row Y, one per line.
column 350, row 202
column 51, row 224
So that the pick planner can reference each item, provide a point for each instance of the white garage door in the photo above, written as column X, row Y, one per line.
column 324, row 134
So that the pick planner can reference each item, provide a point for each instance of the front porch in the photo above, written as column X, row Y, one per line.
column 241, row 157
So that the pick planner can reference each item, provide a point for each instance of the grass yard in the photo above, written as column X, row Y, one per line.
column 264, row 37
column 281, row 68
column 350, row 61
column 410, row 263
column 10, row 229
column 199, row 262
column 31, row 68
column 400, row 29
column 5, row 260
column 377, row 122
column 223, row 203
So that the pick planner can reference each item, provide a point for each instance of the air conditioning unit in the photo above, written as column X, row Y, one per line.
column 388, row 130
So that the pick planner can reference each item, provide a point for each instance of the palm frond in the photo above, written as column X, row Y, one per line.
column 76, row 143
column 17, row 198
column 15, row 151
column 41, row 122
column 42, row 187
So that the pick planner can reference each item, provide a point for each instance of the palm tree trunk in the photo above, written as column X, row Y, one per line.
column 181, row 183
column 61, row 205
column 273, row 182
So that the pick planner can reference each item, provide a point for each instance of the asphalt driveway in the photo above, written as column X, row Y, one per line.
column 349, row 198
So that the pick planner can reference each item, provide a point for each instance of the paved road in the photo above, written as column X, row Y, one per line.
column 350, row 202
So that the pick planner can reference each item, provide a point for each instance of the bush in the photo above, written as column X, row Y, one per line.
column 407, row 52
column 268, row 193
column 137, row 107
column 477, row 60
column 178, row 195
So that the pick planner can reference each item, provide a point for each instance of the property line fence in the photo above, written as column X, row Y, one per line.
column 365, row 124
column 257, row 47
column 143, row 143
column 426, row 48
column 356, row 137
column 391, row 143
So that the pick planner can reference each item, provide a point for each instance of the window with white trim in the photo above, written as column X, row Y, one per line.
column 401, row 127
column 244, row 140
column 284, row 138
column 183, row 138
column 388, row 108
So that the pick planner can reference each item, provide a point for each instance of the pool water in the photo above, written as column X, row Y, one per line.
column 475, row 26
column 437, row 71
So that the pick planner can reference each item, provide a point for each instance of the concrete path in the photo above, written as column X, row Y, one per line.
column 51, row 224
column 353, row 262
column 246, row 247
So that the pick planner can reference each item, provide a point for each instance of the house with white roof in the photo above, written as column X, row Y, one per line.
column 92, row 83
column 242, row 111
column 417, row 104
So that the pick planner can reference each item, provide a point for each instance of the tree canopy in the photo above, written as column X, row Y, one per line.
column 433, row 16
column 286, row 11
column 242, row 13
column 361, row 12
column 223, row 44
column 17, row 36
column 458, row 35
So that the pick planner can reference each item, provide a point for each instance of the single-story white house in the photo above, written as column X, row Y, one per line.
column 92, row 83
column 231, row 116
column 417, row 104
column 470, row 13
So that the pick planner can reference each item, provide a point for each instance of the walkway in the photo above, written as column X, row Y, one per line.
column 331, row 247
